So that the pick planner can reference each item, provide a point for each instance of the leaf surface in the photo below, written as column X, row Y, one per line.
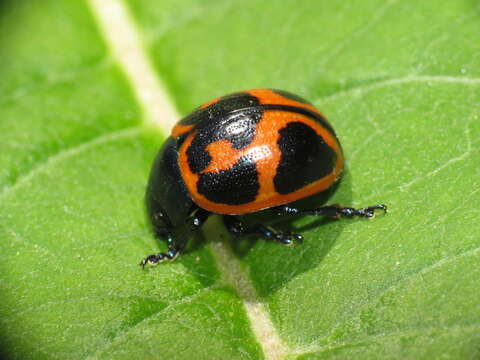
column 399, row 80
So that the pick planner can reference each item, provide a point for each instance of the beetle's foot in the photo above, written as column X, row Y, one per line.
column 368, row 212
column 237, row 229
column 155, row 259
column 286, row 238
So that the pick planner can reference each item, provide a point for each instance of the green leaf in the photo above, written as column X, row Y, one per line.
column 400, row 82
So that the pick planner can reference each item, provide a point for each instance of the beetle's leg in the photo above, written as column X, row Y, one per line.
column 334, row 211
column 155, row 259
column 237, row 229
column 193, row 223
column 197, row 219
column 162, row 225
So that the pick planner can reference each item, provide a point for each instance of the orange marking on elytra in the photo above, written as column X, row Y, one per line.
column 180, row 129
column 268, row 97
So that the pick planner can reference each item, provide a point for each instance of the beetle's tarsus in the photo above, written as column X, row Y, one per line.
column 286, row 238
column 155, row 259
column 333, row 211
column 368, row 212
column 237, row 229
column 192, row 223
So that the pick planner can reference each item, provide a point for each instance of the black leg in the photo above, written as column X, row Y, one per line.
column 236, row 228
column 335, row 211
column 193, row 223
column 162, row 226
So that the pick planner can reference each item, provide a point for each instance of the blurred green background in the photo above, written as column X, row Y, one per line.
column 399, row 81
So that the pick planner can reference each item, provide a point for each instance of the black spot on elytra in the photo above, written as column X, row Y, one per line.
column 222, row 107
column 233, row 118
column 305, row 158
column 234, row 186
column 237, row 127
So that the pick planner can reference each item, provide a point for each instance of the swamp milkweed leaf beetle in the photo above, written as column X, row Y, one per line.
column 242, row 153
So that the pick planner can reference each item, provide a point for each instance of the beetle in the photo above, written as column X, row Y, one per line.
column 239, row 154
